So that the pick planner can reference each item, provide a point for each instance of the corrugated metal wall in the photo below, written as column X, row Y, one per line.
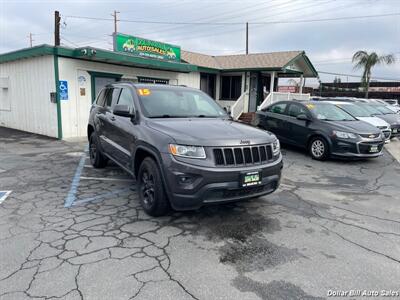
column 75, row 110
column 26, row 103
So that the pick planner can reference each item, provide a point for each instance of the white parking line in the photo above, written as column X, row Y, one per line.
column 4, row 195
column 107, row 179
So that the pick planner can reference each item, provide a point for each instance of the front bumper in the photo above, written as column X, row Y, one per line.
column 205, row 185
column 356, row 149
column 395, row 131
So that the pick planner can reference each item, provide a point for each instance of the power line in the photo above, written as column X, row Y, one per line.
column 238, row 23
column 191, row 36
column 226, row 15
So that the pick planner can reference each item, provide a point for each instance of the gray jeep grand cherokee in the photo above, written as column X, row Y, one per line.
column 183, row 149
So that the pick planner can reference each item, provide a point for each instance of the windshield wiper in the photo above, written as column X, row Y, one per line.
column 204, row 116
column 168, row 116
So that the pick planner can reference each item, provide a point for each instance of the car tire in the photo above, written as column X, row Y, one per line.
column 318, row 148
column 97, row 159
column 151, row 189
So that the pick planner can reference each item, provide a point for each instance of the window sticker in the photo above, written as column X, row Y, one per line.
column 144, row 92
column 310, row 106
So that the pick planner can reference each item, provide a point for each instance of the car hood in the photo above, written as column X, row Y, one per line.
column 359, row 127
column 392, row 119
column 374, row 121
column 211, row 132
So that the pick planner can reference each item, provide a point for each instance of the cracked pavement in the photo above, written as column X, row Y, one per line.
column 331, row 226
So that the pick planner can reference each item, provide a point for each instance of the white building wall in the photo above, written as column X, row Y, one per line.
column 75, row 110
column 25, row 104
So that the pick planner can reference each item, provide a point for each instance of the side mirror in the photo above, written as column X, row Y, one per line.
column 303, row 117
column 123, row 111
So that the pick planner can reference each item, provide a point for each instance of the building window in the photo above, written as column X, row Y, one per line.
column 152, row 80
column 231, row 87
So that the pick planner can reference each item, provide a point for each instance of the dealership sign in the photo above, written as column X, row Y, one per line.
column 146, row 48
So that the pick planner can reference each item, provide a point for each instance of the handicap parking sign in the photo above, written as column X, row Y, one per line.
column 63, row 87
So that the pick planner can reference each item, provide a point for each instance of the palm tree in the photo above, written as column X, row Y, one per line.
column 366, row 61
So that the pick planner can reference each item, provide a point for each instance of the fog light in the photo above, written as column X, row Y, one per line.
column 184, row 179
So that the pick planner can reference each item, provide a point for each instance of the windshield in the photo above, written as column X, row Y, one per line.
column 354, row 110
column 373, row 111
column 383, row 109
column 159, row 102
column 329, row 112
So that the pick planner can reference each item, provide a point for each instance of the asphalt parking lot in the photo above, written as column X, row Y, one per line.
column 69, row 231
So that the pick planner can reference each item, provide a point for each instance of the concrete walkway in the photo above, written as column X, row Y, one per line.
column 394, row 148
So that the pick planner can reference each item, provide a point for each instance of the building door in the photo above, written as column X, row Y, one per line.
column 254, row 91
column 100, row 80
column 207, row 84
column 83, row 103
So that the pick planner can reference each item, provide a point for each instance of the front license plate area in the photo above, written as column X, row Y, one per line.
column 373, row 149
column 251, row 179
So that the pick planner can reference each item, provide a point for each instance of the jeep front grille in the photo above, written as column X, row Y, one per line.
column 231, row 156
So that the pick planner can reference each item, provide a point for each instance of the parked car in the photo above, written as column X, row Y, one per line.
column 362, row 114
column 393, row 107
column 322, row 128
column 382, row 112
column 182, row 147
column 393, row 102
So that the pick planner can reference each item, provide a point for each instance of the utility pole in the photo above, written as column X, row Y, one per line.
column 30, row 37
column 115, row 21
column 247, row 37
column 57, row 21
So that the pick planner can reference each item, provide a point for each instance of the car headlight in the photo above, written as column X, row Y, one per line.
column 344, row 135
column 187, row 151
column 276, row 147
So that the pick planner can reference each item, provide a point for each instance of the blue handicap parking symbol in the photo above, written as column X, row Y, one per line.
column 63, row 88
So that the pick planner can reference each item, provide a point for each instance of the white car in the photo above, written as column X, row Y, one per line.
column 361, row 114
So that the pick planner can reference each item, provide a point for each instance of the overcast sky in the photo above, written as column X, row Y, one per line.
column 329, row 44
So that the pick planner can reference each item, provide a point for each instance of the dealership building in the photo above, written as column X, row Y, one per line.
column 48, row 90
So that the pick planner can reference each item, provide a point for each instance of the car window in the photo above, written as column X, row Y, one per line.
column 354, row 110
column 112, row 97
column 329, row 112
column 371, row 109
column 126, row 98
column 278, row 108
column 383, row 109
column 177, row 102
column 108, row 97
column 100, row 98
column 295, row 110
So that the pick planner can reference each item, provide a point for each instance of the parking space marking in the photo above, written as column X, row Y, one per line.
column 71, row 197
column 103, row 196
column 4, row 195
column 107, row 179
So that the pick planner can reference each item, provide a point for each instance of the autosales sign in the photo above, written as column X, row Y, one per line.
column 146, row 48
